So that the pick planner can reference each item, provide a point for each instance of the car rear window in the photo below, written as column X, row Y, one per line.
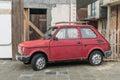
column 87, row 33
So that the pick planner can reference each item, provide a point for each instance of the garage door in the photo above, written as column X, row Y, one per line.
column 5, row 29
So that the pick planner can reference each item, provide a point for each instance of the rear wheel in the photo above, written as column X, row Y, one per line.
column 96, row 58
column 38, row 62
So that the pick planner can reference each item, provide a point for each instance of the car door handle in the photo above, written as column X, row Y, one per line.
column 78, row 42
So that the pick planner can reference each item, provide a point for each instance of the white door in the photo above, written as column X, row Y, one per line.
column 5, row 29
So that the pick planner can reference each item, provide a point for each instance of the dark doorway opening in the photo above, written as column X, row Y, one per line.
column 39, row 18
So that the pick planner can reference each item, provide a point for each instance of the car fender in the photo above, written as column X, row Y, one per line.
column 94, row 48
column 44, row 50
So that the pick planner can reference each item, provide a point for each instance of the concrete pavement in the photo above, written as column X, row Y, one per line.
column 76, row 70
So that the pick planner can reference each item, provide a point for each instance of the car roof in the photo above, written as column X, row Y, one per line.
column 72, row 25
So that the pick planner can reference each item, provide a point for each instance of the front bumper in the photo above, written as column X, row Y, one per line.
column 107, row 53
column 22, row 58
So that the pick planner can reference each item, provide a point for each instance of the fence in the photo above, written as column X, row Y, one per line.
column 113, row 36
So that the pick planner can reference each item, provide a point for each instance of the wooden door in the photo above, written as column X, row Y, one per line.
column 40, row 21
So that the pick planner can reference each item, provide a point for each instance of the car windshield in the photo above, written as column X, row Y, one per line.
column 50, row 33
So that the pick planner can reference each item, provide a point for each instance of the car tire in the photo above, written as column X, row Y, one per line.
column 38, row 62
column 96, row 58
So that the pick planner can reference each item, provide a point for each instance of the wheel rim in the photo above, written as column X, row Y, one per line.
column 41, row 62
column 96, row 59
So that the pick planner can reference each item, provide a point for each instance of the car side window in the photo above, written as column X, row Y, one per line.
column 67, row 33
column 87, row 33
column 61, row 34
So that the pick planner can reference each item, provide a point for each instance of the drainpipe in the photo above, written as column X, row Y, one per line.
column 69, row 10
column 108, row 20
column 117, row 26
column 117, row 17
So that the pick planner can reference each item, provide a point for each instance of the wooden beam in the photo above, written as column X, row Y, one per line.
column 36, row 29
column 33, row 26
column 26, row 25
column 17, row 25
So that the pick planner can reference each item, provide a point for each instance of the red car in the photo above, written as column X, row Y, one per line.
column 65, row 42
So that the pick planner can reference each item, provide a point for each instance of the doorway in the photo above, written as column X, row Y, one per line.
column 39, row 18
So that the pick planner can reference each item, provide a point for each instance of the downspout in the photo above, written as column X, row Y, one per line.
column 69, row 10
column 117, row 17
column 108, row 21
column 117, row 26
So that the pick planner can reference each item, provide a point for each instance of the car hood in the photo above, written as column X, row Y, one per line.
column 35, row 43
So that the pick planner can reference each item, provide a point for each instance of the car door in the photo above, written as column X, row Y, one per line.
column 67, row 45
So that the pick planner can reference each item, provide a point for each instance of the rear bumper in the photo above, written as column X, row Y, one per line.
column 22, row 58
column 107, row 53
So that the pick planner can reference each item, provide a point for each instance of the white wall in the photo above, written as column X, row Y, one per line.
column 5, row 30
column 64, row 12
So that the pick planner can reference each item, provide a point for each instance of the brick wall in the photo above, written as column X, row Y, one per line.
column 81, row 14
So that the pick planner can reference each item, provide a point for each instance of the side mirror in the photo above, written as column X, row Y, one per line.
column 55, row 38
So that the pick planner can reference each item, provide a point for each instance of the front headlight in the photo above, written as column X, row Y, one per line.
column 21, row 49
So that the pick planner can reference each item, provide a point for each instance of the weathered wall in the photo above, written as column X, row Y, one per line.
column 63, row 12
column 113, row 17
column 49, row 1
column 57, row 10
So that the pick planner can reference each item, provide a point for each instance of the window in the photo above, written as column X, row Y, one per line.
column 93, row 9
column 50, row 33
column 61, row 34
column 67, row 33
column 87, row 33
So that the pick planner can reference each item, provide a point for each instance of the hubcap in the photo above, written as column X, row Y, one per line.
column 40, row 63
column 96, row 59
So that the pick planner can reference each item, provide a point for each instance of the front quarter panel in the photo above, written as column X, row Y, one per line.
column 32, row 51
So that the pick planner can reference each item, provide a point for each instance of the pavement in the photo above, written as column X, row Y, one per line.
column 75, row 70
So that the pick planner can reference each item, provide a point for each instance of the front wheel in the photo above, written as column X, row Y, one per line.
column 96, row 58
column 38, row 62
